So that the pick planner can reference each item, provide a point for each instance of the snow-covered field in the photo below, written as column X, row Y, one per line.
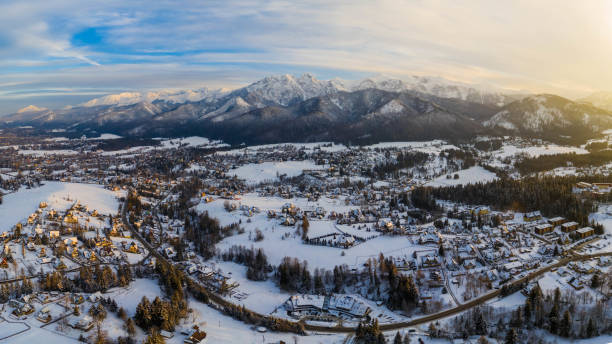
column 433, row 146
column 535, row 151
column 324, row 146
column 18, row 206
column 475, row 174
column 269, row 171
column 105, row 137
column 39, row 335
column 192, row 141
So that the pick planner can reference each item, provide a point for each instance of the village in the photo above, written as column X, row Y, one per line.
column 304, row 233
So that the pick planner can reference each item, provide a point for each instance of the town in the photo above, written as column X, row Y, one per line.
column 309, row 241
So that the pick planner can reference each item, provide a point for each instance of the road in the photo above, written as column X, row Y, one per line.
column 217, row 299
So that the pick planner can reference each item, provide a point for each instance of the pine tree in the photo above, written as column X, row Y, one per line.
column 483, row 340
column 480, row 326
column 565, row 328
column 511, row 337
column 398, row 338
column 591, row 331
column 527, row 309
column 595, row 281
column 129, row 327
column 305, row 227
column 553, row 319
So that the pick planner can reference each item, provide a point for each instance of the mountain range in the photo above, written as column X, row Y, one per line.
column 288, row 108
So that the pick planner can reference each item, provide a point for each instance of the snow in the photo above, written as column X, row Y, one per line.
column 412, row 144
column 510, row 302
column 192, row 141
column 393, row 106
column 262, row 297
column 222, row 329
column 31, row 108
column 36, row 335
column 175, row 96
column 269, row 171
column 324, row 146
column 472, row 175
column 604, row 217
column 536, row 151
column 18, row 206
column 105, row 137
column 130, row 297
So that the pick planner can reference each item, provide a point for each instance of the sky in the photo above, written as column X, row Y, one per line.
column 55, row 53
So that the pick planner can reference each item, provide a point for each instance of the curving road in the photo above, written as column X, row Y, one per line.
column 398, row 325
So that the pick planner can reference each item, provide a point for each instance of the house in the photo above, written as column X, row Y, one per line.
column 532, row 216
column 44, row 315
column 429, row 261
column 556, row 221
column 569, row 226
column 197, row 337
column 83, row 324
column 585, row 232
column 544, row 228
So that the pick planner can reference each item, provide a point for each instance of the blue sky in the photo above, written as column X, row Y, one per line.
column 54, row 53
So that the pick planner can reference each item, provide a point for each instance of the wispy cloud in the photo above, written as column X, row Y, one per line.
column 123, row 45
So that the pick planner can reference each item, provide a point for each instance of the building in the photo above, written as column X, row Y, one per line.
column 532, row 216
column 585, row 232
column 569, row 226
column 544, row 228
column 556, row 221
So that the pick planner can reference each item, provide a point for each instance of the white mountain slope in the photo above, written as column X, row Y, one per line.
column 551, row 115
column 438, row 87
column 287, row 89
column 172, row 96
column 31, row 108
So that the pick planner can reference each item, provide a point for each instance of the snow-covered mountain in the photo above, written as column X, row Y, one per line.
column 31, row 108
column 287, row 89
column 438, row 87
column 551, row 116
column 283, row 107
column 171, row 96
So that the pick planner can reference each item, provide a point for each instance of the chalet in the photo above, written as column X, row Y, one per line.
column 569, row 226
column 44, row 315
column 556, row 221
column 544, row 228
column 83, row 324
column 532, row 216
column 585, row 232
column 197, row 337
column 428, row 261
column 576, row 283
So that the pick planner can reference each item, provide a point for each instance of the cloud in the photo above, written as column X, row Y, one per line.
column 546, row 45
